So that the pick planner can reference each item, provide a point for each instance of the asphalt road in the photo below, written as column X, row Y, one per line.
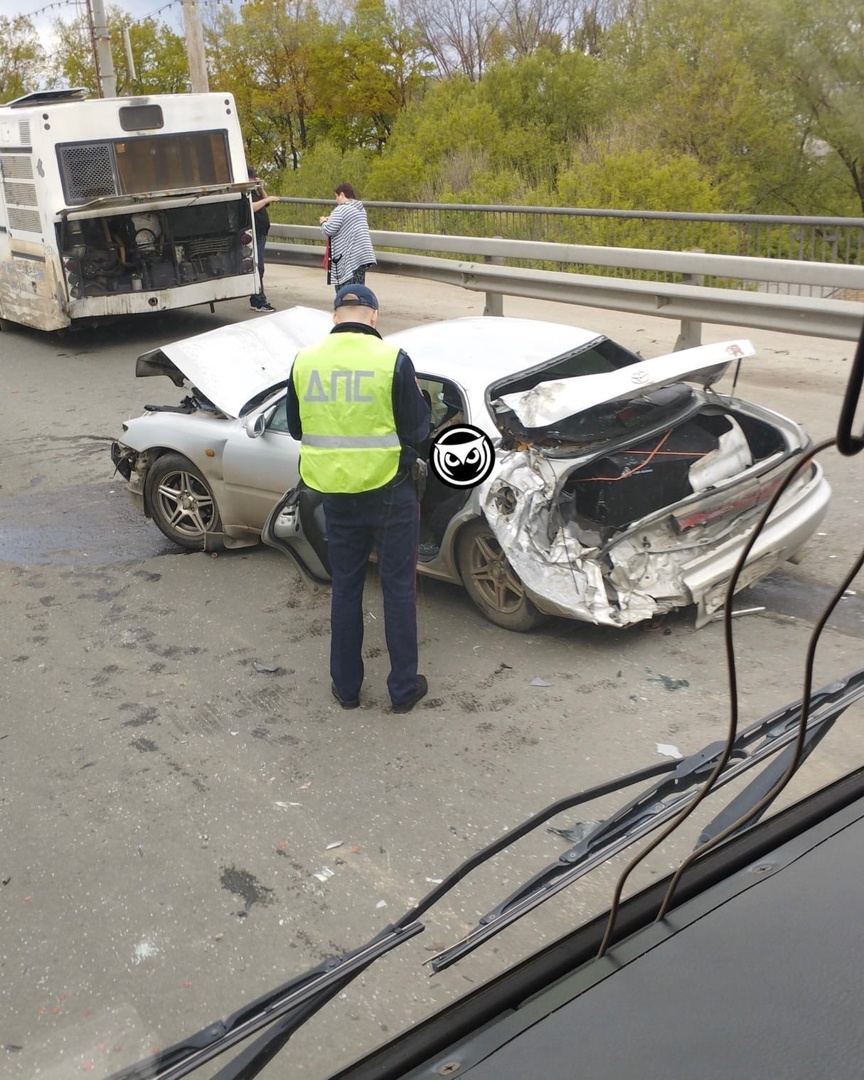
column 188, row 820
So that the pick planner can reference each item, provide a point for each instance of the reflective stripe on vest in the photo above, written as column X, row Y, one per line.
column 344, row 388
column 351, row 441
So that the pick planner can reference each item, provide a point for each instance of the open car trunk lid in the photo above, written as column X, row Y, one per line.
column 232, row 364
column 551, row 402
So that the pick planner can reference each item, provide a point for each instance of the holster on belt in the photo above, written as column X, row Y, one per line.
column 419, row 471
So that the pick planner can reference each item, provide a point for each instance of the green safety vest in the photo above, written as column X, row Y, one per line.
column 344, row 387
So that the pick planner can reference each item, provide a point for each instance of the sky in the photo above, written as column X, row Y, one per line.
column 44, row 13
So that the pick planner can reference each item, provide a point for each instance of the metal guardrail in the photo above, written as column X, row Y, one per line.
column 683, row 295
column 774, row 236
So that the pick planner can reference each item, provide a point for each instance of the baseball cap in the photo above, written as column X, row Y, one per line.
column 358, row 295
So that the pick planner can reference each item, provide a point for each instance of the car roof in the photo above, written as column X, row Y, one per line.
column 231, row 364
column 476, row 352
column 234, row 364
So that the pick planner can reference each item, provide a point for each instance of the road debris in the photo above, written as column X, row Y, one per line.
column 668, row 682
column 577, row 832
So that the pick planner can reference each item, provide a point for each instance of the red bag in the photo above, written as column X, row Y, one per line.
column 325, row 262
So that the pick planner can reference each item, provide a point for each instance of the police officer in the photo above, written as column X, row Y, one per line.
column 354, row 404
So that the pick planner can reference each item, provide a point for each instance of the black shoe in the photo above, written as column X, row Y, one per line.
column 266, row 307
column 427, row 550
column 352, row 704
column 421, row 692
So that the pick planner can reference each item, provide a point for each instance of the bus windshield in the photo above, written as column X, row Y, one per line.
column 148, row 163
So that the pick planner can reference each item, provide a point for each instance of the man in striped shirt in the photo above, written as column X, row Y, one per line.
column 347, row 229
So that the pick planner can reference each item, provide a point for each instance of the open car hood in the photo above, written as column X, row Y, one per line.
column 229, row 366
column 550, row 402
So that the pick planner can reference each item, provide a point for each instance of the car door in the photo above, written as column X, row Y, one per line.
column 295, row 524
column 296, row 527
column 260, row 463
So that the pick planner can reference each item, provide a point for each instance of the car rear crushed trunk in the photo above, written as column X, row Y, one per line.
column 617, row 489
column 652, row 523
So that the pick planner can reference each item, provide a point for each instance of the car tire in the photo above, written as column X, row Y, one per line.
column 491, row 582
column 182, row 504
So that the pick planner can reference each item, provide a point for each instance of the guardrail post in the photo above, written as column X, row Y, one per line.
column 494, row 301
column 691, row 330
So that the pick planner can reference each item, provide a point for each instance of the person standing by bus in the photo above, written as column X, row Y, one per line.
column 260, row 201
column 347, row 229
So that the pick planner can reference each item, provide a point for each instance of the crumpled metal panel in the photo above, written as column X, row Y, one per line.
column 637, row 578
column 550, row 402
column 517, row 506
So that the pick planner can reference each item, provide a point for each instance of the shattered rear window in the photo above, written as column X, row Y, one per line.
column 598, row 358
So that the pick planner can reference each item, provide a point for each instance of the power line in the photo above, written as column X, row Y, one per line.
column 141, row 18
column 47, row 7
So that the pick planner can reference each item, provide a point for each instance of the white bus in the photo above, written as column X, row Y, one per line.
column 113, row 206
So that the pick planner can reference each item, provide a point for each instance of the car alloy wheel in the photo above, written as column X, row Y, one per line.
column 490, row 580
column 182, row 504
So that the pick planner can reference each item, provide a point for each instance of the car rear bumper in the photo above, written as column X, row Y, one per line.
column 793, row 522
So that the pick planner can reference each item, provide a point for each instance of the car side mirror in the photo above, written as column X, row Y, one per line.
column 255, row 425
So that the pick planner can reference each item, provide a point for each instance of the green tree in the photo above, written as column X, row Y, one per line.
column 545, row 102
column 22, row 58
column 325, row 165
column 449, row 123
column 159, row 55
column 264, row 58
column 365, row 73
column 820, row 48
column 566, row 93
column 696, row 72
column 638, row 180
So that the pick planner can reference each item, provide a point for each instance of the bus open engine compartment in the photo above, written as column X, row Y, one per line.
column 154, row 249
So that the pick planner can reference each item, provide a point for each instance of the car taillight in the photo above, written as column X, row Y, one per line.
column 248, row 266
column 246, row 239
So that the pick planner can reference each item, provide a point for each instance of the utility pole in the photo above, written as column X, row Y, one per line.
column 195, row 47
column 105, row 76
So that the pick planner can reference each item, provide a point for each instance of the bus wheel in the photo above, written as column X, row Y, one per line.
column 182, row 504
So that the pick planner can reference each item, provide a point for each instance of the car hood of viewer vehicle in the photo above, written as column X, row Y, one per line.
column 232, row 364
column 550, row 402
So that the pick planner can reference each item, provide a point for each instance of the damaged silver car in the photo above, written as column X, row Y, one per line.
column 622, row 488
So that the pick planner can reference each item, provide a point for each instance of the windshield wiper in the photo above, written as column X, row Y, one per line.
column 289, row 1006
column 296, row 1001
column 301, row 996
column 667, row 798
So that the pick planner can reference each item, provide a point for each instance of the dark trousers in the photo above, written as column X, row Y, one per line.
column 357, row 278
column 388, row 520
column 260, row 297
